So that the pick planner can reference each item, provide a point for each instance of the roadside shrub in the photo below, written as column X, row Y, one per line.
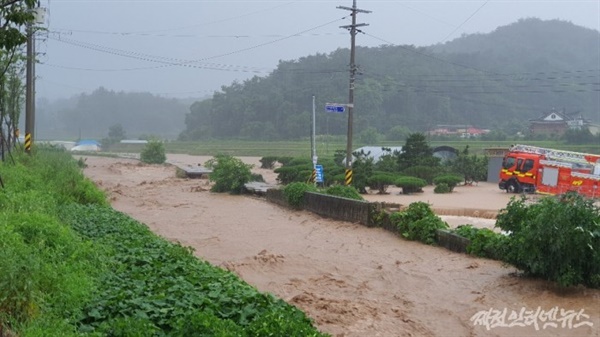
column 441, row 188
column 284, row 160
column 228, row 173
column 291, row 173
column 410, row 184
column 294, row 193
column 557, row 238
column 268, row 162
column 257, row 177
column 484, row 242
column 450, row 180
column 418, row 222
column 381, row 181
column 426, row 173
column 344, row 191
column 153, row 152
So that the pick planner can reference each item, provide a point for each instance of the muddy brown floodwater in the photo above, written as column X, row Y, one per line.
column 352, row 280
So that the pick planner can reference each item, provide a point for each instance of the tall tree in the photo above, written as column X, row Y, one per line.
column 416, row 152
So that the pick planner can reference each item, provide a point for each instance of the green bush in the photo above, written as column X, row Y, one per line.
column 294, row 193
column 229, row 174
column 410, row 184
column 441, row 188
column 484, row 242
column 268, row 162
column 381, row 180
column 294, row 173
column 450, row 180
column 418, row 222
column 557, row 238
column 257, row 177
column 284, row 160
column 344, row 191
column 153, row 152
column 426, row 173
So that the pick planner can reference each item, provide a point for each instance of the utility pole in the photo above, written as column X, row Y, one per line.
column 350, row 105
column 29, row 97
column 39, row 16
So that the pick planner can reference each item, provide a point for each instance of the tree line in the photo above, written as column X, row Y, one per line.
column 498, row 81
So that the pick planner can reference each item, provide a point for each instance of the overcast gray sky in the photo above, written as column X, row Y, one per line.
column 192, row 48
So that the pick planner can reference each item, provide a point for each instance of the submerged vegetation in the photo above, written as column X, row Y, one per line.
column 73, row 266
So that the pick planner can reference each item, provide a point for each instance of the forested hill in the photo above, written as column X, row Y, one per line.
column 498, row 80
column 92, row 115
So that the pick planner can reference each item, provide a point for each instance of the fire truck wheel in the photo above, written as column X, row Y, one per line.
column 513, row 186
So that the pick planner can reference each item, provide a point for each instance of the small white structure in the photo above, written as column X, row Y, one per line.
column 86, row 146
column 376, row 152
column 133, row 141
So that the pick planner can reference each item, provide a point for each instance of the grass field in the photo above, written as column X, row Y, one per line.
column 325, row 148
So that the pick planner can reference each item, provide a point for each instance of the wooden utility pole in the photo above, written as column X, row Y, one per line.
column 29, row 95
column 39, row 16
column 350, row 105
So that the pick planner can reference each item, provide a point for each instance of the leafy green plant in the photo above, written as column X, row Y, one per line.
column 294, row 193
column 294, row 171
column 206, row 324
column 268, row 162
column 229, row 174
column 557, row 238
column 484, row 242
column 418, row 222
column 410, row 184
column 344, row 191
column 450, row 180
column 152, row 283
column 426, row 173
column 472, row 168
column 381, row 181
column 153, row 152
column 441, row 188
column 362, row 169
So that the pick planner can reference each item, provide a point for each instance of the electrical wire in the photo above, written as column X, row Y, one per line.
column 166, row 61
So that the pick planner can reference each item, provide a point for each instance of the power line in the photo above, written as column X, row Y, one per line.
column 166, row 61
column 149, row 32
column 464, row 22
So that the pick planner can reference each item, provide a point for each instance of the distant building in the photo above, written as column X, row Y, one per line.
column 463, row 131
column 375, row 152
column 557, row 123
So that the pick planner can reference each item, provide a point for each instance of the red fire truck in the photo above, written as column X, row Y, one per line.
column 534, row 169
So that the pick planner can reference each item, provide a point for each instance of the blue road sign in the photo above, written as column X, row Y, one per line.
column 335, row 108
column 319, row 171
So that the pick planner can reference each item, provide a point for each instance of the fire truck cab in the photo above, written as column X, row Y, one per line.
column 533, row 169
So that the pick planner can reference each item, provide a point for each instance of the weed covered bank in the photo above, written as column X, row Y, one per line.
column 73, row 266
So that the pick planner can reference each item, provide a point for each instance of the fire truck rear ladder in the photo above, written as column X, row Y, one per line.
column 570, row 156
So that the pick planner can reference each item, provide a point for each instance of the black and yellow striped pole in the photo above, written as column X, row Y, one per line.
column 28, row 142
column 348, row 177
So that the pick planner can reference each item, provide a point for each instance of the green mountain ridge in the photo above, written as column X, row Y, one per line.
column 498, row 80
